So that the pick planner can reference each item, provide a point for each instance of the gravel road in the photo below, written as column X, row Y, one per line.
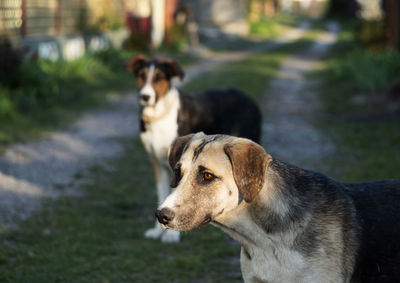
column 291, row 108
column 47, row 168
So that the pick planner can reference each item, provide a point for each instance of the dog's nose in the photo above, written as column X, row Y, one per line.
column 145, row 97
column 165, row 215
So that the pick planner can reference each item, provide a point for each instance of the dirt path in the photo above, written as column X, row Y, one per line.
column 291, row 107
column 49, row 167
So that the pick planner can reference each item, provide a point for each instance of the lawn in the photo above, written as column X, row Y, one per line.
column 98, row 236
column 44, row 95
column 366, row 133
column 252, row 74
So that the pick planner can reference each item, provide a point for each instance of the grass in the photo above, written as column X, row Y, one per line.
column 49, row 95
column 366, row 135
column 259, row 31
column 98, row 237
column 272, row 27
column 252, row 74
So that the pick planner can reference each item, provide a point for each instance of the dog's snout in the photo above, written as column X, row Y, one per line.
column 165, row 215
column 145, row 97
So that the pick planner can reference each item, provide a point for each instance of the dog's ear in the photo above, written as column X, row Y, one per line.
column 172, row 68
column 249, row 165
column 176, row 149
column 136, row 63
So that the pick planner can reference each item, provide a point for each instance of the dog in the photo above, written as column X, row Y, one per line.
column 166, row 113
column 293, row 225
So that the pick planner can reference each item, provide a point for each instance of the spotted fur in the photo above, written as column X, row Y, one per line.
column 299, row 226
column 166, row 113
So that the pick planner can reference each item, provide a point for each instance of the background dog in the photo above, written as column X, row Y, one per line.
column 294, row 225
column 167, row 113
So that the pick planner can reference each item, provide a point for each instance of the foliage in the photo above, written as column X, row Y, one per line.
column 176, row 37
column 369, row 71
column 251, row 74
column 10, row 61
column 43, row 88
column 366, row 135
column 138, row 41
column 371, row 34
column 271, row 27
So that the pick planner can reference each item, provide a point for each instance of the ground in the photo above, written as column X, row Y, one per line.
column 99, row 172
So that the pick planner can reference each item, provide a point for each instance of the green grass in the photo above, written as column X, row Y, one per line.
column 365, row 150
column 99, row 237
column 366, row 135
column 264, row 29
column 272, row 27
column 252, row 74
column 49, row 95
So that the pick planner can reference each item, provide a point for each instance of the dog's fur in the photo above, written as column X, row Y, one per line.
column 166, row 114
column 294, row 225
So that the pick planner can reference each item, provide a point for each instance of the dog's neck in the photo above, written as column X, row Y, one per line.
column 169, row 102
column 273, row 211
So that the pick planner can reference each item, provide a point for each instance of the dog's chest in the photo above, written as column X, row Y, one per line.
column 275, row 265
column 159, row 135
column 272, row 265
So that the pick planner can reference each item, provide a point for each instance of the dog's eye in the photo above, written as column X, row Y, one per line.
column 207, row 176
column 158, row 77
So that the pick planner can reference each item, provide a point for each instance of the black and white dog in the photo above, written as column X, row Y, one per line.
column 166, row 114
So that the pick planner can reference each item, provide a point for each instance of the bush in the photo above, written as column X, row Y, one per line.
column 42, row 83
column 371, row 71
column 10, row 61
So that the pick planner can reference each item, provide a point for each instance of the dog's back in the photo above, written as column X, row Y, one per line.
column 378, row 211
column 220, row 111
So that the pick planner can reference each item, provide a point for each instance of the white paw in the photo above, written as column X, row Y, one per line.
column 154, row 233
column 171, row 236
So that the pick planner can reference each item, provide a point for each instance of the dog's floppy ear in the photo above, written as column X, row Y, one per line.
column 176, row 149
column 249, row 165
column 136, row 63
column 173, row 69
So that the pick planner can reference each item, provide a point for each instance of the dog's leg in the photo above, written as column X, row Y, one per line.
column 162, row 175
column 163, row 190
column 157, row 231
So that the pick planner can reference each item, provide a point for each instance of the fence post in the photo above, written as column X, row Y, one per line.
column 23, row 18
column 58, row 17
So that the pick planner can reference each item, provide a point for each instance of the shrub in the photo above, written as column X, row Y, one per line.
column 371, row 71
column 10, row 61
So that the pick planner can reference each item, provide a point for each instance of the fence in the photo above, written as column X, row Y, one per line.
column 20, row 18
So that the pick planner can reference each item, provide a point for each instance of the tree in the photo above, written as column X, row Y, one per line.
column 343, row 8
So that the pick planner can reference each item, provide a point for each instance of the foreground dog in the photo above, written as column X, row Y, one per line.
column 166, row 114
column 293, row 225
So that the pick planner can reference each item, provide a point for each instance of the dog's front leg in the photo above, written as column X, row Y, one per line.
column 162, row 175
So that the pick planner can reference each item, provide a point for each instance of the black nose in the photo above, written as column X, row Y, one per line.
column 145, row 97
column 165, row 215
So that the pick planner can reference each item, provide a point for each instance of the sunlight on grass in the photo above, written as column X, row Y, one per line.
column 252, row 74
column 100, row 236
column 367, row 135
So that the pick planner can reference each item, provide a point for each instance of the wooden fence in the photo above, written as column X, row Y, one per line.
column 20, row 18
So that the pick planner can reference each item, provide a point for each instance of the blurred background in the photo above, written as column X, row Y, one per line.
column 77, row 190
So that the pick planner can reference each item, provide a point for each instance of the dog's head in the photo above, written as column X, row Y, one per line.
column 211, row 176
column 153, row 77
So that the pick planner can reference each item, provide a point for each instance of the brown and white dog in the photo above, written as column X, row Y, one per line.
column 294, row 225
column 166, row 113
